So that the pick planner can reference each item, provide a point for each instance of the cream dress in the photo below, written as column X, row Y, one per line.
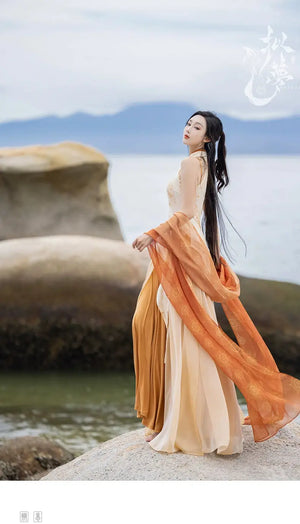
column 201, row 410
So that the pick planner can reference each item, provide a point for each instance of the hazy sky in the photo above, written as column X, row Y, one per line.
column 61, row 56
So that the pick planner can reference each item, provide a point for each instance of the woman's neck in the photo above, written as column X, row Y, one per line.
column 200, row 149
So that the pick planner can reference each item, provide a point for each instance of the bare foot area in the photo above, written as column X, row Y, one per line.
column 150, row 437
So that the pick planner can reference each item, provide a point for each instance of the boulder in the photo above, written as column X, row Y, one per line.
column 29, row 458
column 58, row 189
column 67, row 302
column 129, row 457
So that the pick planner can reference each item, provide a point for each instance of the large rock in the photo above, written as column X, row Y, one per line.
column 68, row 301
column 58, row 189
column 28, row 458
column 129, row 457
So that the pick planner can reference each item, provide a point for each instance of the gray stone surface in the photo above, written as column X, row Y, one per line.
column 129, row 457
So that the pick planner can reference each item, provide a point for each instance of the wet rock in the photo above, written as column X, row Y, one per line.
column 29, row 458
column 67, row 301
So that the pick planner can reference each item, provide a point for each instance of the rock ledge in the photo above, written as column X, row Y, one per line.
column 129, row 457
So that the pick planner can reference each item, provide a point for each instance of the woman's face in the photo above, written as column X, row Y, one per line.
column 194, row 131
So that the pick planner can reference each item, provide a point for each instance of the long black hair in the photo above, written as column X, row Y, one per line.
column 217, row 179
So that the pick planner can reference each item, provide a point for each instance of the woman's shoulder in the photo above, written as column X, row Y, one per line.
column 190, row 161
column 193, row 160
column 191, row 169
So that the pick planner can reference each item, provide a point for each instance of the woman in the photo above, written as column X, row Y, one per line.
column 185, row 365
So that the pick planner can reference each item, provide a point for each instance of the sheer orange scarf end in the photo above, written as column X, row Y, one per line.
column 179, row 254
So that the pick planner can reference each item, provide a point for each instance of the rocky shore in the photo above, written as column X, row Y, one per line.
column 129, row 457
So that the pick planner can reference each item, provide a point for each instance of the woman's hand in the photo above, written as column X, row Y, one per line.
column 142, row 241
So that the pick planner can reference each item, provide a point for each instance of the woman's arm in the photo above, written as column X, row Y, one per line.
column 188, row 178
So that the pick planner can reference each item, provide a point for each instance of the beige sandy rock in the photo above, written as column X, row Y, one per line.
column 53, row 190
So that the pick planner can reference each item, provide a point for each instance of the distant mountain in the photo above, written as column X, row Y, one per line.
column 153, row 128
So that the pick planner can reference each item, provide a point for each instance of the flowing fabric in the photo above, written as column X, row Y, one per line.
column 178, row 254
column 149, row 334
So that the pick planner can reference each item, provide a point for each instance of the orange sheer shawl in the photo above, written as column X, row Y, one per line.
column 272, row 397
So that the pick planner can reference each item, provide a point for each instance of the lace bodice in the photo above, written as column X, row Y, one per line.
column 174, row 189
